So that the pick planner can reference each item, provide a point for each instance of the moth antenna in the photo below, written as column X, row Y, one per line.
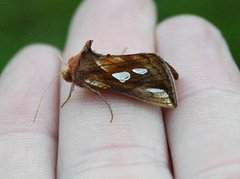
column 61, row 59
column 105, row 101
column 69, row 95
column 43, row 94
column 124, row 50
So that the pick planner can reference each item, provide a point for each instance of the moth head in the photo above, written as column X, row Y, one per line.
column 68, row 73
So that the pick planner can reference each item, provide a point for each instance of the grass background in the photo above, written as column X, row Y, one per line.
column 23, row 22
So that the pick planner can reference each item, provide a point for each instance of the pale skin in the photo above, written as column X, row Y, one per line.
column 198, row 139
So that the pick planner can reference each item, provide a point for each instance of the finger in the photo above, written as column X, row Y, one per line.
column 28, row 150
column 135, row 142
column 204, row 130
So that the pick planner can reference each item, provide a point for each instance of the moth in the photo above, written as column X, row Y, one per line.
column 144, row 76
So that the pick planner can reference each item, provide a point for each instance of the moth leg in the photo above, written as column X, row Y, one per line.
column 105, row 101
column 69, row 95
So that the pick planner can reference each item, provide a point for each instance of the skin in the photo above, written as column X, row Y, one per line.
column 198, row 139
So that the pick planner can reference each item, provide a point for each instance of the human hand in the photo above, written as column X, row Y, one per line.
column 202, row 132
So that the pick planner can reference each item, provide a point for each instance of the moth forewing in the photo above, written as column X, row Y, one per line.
column 144, row 76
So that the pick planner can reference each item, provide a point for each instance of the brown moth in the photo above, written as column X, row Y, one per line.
column 144, row 76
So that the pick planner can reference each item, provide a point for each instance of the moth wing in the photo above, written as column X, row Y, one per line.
column 144, row 76
column 155, row 96
column 174, row 72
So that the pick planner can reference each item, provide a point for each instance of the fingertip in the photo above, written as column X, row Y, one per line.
column 198, row 51
column 188, row 24
column 26, row 76
column 112, row 22
column 190, row 31
column 37, row 61
column 34, row 56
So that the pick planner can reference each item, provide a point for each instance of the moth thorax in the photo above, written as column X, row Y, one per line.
column 66, row 74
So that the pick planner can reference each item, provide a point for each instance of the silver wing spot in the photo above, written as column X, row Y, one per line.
column 97, row 84
column 140, row 71
column 158, row 92
column 122, row 76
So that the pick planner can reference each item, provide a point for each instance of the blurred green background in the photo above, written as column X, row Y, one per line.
column 24, row 22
